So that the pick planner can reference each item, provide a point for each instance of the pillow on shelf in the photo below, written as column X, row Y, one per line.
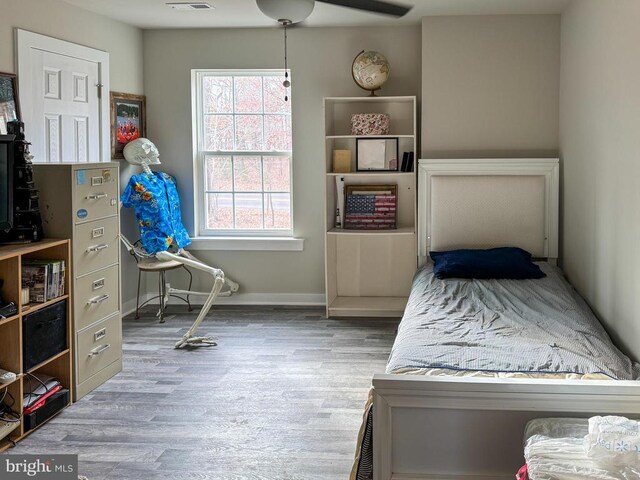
column 503, row 262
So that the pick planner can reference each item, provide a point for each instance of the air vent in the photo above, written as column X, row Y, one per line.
column 190, row 6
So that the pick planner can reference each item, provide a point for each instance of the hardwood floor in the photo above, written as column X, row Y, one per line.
column 281, row 397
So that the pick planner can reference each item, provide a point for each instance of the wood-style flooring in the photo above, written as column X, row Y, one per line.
column 281, row 397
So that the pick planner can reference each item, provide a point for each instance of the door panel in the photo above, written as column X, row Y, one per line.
column 68, row 110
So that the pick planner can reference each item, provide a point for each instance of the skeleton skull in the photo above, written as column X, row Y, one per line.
column 141, row 151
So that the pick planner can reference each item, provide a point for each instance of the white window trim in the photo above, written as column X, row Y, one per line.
column 268, row 240
column 268, row 244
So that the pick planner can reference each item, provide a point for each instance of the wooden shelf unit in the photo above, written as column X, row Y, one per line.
column 368, row 273
column 60, row 365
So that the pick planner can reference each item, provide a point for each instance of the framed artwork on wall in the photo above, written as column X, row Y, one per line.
column 9, row 105
column 128, row 120
column 379, row 154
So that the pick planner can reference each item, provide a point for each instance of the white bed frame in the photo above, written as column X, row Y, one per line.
column 472, row 428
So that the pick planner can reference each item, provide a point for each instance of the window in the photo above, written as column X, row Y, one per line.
column 243, row 130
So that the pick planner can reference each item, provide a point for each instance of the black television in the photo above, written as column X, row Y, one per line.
column 7, row 156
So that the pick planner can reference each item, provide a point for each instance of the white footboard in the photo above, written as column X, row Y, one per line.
column 472, row 428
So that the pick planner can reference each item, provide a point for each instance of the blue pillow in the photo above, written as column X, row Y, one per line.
column 504, row 262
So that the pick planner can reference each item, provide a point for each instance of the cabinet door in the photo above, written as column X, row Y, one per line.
column 375, row 265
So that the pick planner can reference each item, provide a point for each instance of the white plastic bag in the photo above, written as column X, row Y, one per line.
column 555, row 449
column 613, row 441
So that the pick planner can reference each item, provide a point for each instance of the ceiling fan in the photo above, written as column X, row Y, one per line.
column 295, row 11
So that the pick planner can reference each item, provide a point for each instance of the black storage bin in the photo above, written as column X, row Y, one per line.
column 44, row 334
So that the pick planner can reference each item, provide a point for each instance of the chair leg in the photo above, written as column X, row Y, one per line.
column 161, row 295
column 189, row 289
column 138, row 296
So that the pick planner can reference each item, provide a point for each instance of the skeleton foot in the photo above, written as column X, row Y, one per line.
column 196, row 342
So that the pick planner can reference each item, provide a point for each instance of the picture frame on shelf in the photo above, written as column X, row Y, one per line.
column 371, row 207
column 128, row 120
column 9, row 102
column 377, row 154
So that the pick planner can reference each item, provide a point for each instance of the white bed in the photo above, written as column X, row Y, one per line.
column 469, row 427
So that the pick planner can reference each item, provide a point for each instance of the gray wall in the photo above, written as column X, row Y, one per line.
column 320, row 60
column 490, row 85
column 600, row 148
column 124, row 44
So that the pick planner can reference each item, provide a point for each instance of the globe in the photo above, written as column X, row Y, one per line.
column 370, row 70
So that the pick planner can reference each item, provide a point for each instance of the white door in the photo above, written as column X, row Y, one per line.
column 61, row 88
column 65, row 121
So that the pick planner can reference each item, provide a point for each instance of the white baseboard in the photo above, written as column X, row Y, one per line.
column 466, row 476
column 285, row 299
column 292, row 299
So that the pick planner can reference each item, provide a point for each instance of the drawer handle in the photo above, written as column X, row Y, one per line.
column 99, row 351
column 96, row 196
column 96, row 300
column 97, row 248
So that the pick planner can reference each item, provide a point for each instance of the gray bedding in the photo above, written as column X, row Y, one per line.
column 534, row 326
column 541, row 328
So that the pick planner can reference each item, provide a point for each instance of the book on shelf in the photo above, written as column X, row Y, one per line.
column 339, row 202
column 405, row 159
column 45, row 279
column 410, row 163
column 407, row 162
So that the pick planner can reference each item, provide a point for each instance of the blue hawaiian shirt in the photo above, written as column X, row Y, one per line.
column 155, row 200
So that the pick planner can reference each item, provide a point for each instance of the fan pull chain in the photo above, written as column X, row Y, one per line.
column 286, row 83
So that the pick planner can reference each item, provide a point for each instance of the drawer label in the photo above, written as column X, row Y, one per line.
column 99, row 334
column 97, row 232
column 81, row 177
column 95, row 181
column 82, row 213
column 97, row 284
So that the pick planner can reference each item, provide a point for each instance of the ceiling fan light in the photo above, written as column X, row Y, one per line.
column 293, row 10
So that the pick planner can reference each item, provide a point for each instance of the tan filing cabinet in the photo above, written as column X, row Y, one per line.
column 81, row 202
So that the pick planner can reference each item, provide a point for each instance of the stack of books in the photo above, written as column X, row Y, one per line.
column 43, row 278
column 407, row 162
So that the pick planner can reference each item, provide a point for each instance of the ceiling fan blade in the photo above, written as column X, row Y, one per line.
column 374, row 6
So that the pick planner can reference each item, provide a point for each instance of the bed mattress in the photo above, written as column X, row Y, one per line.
column 534, row 328
column 537, row 328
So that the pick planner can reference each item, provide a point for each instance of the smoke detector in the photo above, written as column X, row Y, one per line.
column 190, row 6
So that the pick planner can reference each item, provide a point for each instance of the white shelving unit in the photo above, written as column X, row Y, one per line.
column 368, row 273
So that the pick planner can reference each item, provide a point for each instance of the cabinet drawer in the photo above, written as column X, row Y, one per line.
column 98, row 347
column 95, row 194
column 95, row 245
column 96, row 296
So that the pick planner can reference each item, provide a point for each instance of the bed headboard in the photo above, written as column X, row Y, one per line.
column 485, row 203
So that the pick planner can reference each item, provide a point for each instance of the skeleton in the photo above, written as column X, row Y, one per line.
column 143, row 152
